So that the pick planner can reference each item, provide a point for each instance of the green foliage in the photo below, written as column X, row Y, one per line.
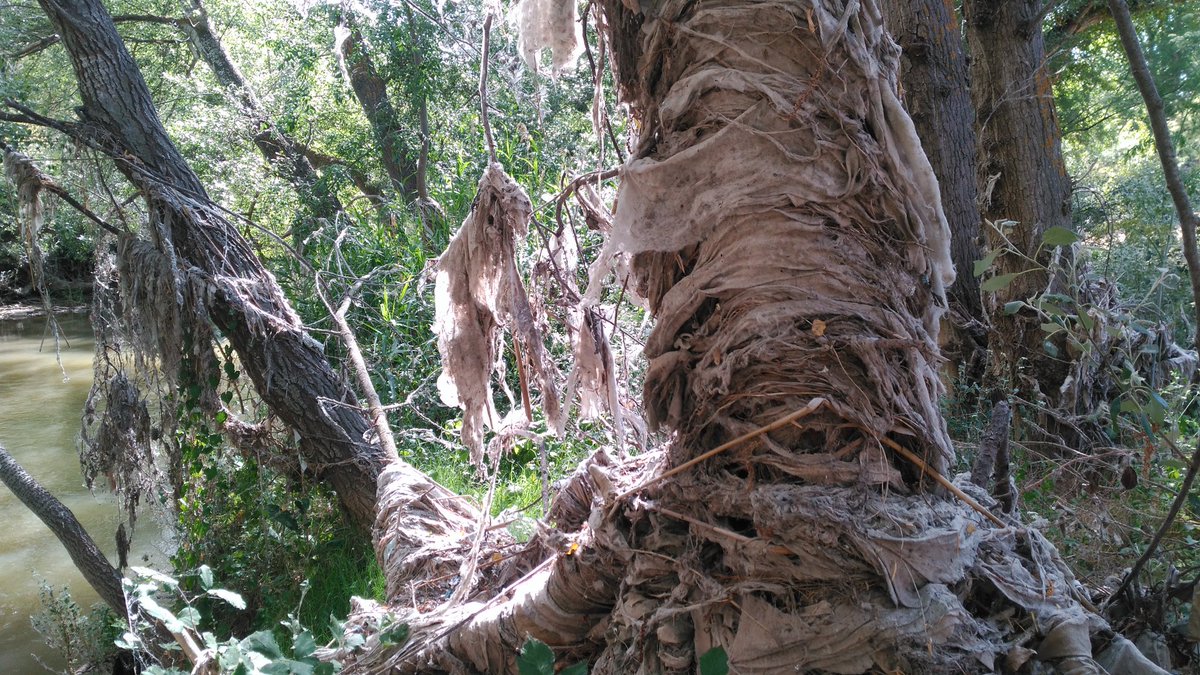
column 714, row 662
column 161, row 600
column 536, row 658
column 81, row 639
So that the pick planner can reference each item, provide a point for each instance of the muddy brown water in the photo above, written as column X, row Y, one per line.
column 39, row 423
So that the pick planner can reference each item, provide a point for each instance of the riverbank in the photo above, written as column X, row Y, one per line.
column 23, row 310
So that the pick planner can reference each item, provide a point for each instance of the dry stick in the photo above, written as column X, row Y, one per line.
column 466, row 574
column 378, row 416
column 934, row 474
column 807, row 410
column 1187, row 230
column 483, row 104
column 522, row 378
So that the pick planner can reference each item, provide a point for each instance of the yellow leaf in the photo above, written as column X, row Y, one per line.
column 818, row 328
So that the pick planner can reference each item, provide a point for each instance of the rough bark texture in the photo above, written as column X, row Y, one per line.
column 215, row 267
column 936, row 93
column 88, row 557
column 1024, row 187
column 786, row 230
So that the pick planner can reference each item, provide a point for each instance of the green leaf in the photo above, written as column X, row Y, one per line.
column 714, row 662
column 1050, row 348
column 150, row 606
column 304, row 645
column 998, row 282
column 189, row 617
column 228, row 596
column 1156, row 409
column 1085, row 319
column 264, row 643
column 129, row 640
column 1051, row 308
column 396, row 635
column 536, row 658
column 983, row 264
column 154, row 575
column 206, row 576
column 229, row 659
column 1013, row 307
column 288, row 667
column 577, row 669
column 1059, row 236
column 1050, row 327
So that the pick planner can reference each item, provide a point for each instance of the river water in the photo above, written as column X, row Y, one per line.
column 39, row 421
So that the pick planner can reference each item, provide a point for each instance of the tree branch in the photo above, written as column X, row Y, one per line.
column 84, row 552
column 1187, row 230
column 1162, row 143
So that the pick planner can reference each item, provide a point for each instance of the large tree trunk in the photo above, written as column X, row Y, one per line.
column 936, row 93
column 215, row 266
column 785, row 228
column 1023, row 182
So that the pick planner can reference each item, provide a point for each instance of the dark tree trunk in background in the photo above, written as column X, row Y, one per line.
column 936, row 93
column 1022, row 180
column 371, row 91
column 243, row 300
column 407, row 174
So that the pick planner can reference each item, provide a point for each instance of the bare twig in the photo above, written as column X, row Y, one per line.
column 942, row 480
column 1176, row 505
column 483, row 75
column 1187, row 230
column 813, row 405
column 1162, row 142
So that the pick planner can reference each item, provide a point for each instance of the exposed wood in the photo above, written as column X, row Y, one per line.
column 993, row 441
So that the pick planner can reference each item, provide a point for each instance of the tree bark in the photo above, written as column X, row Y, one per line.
column 936, row 93
column 241, row 298
column 1023, row 181
column 286, row 156
column 784, row 226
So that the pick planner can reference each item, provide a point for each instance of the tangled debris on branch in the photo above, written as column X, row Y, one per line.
column 786, row 231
